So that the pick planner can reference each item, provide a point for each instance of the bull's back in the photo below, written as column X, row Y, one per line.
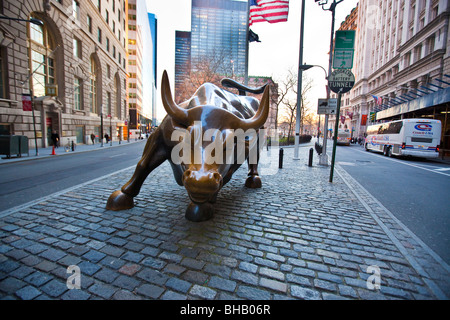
column 209, row 94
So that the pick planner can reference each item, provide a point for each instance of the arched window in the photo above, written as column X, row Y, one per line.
column 93, row 86
column 42, row 58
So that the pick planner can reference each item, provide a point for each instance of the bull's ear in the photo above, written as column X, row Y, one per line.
column 173, row 110
column 258, row 120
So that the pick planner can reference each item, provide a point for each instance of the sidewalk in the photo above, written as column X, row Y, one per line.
column 299, row 237
column 47, row 152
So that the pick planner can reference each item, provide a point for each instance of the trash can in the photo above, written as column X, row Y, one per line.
column 23, row 145
column 9, row 145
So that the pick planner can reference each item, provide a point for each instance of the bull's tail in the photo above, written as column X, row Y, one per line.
column 230, row 83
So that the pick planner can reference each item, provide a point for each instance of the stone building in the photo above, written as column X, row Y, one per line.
column 74, row 64
column 401, row 63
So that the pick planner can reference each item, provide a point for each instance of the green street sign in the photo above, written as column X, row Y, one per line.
column 344, row 49
column 345, row 39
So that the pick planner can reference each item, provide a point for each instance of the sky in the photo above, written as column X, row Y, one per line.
column 278, row 50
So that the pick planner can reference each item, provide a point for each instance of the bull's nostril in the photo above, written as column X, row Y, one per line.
column 217, row 177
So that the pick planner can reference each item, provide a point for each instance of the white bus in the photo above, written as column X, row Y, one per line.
column 344, row 137
column 408, row 137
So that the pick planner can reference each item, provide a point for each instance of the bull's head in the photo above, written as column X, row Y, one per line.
column 204, row 176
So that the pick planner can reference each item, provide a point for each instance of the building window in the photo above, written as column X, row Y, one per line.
column 99, row 35
column 93, row 86
column 89, row 23
column 107, row 44
column 107, row 16
column 77, row 104
column 114, row 52
column 108, row 71
column 42, row 59
column 77, row 48
column 76, row 9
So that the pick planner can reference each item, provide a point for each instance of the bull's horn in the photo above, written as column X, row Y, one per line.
column 173, row 110
column 258, row 120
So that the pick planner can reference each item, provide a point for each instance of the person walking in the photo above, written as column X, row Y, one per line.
column 93, row 138
column 107, row 137
column 55, row 138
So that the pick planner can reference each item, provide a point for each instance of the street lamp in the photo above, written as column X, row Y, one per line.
column 31, row 20
column 323, row 160
column 323, row 157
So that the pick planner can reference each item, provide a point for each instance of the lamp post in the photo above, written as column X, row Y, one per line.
column 323, row 159
column 32, row 20
column 299, row 85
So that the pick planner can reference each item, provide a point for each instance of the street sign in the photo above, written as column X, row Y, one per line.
column 344, row 49
column 343, row 59
column 345, row 39
column 341, row 81
column 327, row 106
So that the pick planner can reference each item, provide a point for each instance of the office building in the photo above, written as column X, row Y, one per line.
column 74, row 64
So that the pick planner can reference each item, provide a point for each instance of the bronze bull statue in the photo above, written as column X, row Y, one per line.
column 211, row 108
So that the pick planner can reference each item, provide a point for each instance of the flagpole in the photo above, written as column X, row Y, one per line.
column 299, row 85
column 247, row 44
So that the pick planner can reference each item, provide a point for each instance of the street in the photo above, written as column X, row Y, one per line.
column 415, row 191
column 30, row 180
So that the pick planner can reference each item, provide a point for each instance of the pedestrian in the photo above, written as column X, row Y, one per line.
column 55, row 138
column 93, row 138
column 107, row 137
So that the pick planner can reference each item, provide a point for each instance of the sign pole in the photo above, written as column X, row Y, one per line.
column 336, row 128
column 299, row 87
column 34, row 122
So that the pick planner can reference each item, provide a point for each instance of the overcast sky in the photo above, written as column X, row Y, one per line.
column 279, row 47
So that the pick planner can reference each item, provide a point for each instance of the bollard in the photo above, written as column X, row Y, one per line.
column 280, row 159
column 311, row 152
column 73, row 146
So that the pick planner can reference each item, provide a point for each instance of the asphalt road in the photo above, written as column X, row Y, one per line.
column 26, row 181
column 416, row 191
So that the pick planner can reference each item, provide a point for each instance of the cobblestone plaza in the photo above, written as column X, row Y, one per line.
column 298, row 237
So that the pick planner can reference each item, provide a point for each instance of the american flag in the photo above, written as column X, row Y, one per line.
column 272, row 11
column 378, row 100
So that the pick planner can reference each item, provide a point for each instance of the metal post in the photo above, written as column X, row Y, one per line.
column 110, row 129
column 247, row 44
column 311, row 154
column 336, row 127
column 323, row 159
column 101, row 128
column 34, row 122
column 299, row 85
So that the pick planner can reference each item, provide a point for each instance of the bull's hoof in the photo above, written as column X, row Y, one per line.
column 119, row 201
column 197, row 212
column 253, row 182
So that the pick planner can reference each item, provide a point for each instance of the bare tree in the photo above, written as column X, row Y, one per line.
column 288, row 99
column 208, row 68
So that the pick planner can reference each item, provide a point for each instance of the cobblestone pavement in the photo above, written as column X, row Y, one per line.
column 299, row 237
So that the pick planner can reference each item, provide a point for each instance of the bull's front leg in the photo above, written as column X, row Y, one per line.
column 154, row 154
column 253, row 180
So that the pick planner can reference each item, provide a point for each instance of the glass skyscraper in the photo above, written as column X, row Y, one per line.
column 218, row 31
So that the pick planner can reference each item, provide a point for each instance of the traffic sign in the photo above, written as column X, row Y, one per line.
column 327, row 106
column 345, row 39
column 343, row 59
column 341, row 81
column 344, row 49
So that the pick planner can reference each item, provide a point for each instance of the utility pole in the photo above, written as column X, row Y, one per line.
column 299, row 85
column 323, row 159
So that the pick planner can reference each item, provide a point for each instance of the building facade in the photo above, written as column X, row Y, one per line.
column 401, row 65
column 218, row 28
column 74, row 64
